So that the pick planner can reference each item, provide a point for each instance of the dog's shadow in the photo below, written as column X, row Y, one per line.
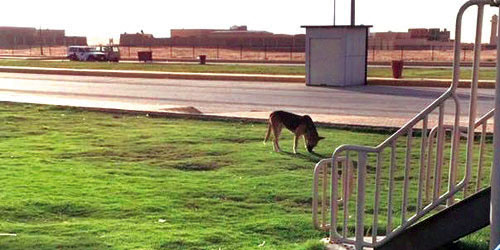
column 313, row 156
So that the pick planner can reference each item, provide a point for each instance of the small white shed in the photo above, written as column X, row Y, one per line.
column 336, row 55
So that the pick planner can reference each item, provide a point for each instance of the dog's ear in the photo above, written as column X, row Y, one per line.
column 321, row 138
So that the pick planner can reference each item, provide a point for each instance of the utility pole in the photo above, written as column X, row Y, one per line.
column 334, row 11
column 353, row 12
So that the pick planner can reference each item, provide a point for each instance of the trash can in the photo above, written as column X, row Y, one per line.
column 145, row 56
column 397, row 68
column 203, row 59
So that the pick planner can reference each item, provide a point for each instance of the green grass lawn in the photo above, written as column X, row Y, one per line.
column 75, row 179
column 179, row 67
column 485, row 74
column 437, row 73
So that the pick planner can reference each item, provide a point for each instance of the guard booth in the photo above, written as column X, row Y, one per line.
column 336, row 55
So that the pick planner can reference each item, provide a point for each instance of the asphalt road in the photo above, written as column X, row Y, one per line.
column 214, row 97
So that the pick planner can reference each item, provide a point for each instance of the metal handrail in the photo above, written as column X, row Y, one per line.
column 363, row 151
column 481, row 122
column 321, row 171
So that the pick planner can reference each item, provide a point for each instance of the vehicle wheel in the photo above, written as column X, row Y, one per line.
column 72, row 58
column 90, row 59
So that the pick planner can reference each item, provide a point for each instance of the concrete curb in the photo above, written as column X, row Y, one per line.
column 440, row 83
column 204, row 117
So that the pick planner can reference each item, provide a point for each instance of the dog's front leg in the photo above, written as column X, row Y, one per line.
column 295, row 141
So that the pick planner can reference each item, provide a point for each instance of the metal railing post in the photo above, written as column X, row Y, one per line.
column 345, row 189
column 360, row 211
column 377, row 198
column 495, row 171
column 333, row 199
column 473, row 102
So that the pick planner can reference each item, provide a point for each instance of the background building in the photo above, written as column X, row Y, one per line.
column 11, row 37
column 413, row 39
column 236, row 36
column 240, row 36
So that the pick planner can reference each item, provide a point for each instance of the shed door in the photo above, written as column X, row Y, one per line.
column 327, row 61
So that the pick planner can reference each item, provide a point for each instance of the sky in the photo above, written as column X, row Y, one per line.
column 101, row 20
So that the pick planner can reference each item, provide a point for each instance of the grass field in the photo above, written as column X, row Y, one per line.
column 411, row 73
column 180, row 67
column 74, row 179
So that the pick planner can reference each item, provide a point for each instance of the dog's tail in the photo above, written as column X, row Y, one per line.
column 268, row 133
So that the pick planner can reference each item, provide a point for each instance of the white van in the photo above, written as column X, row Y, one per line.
column 85, row 53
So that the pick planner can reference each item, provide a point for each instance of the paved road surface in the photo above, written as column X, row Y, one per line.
column 227, row 97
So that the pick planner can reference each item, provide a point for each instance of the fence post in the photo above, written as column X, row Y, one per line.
column 241, row 52
column 171, row 54
column 465, row 53
column 402, row 54
column 41, row 44
column 193, row 52
column 15, row 45
column 128, row 51
column 217, row 52
column 50, row 51
column 432, row 53
column 265, row 52
column 373, row 54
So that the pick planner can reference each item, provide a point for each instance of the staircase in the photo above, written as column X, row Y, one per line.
column 446, row 226
column 425, row 182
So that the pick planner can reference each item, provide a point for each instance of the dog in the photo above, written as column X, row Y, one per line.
column 298, row 125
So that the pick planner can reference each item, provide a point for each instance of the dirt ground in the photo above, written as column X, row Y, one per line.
column 286, row 54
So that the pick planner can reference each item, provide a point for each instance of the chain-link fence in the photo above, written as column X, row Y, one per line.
column 259, row 54
column 431, row 54
column 239, row 53
column 28, row 51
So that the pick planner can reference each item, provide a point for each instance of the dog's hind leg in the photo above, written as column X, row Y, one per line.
column 268, row 133
column 277, row 132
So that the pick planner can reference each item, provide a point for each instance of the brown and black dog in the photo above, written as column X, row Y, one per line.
column 299, row 125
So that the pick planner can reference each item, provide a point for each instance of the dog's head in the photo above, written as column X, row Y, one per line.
column 312, row 141
column 312, row 137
